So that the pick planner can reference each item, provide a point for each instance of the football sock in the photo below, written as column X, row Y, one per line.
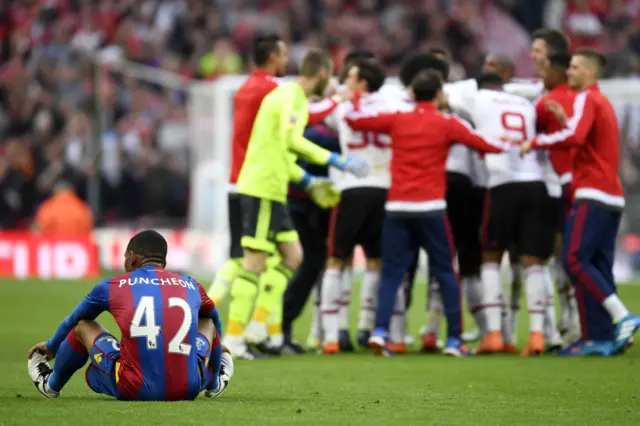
column 492, row 299
column 330, row 304
column 536, row 297
column 550, row 329
column 221, row 285
column 272, row 285
column 368, row 299
column 71, row 357
column 343, row 312
column 473, row 290
column 274, row 328
column 434, row 308
column 315, row 332
column 566, row 296
column 615, row 307
column 396, row 326
column 215, row 361
column 243, row 295
column 513, row 313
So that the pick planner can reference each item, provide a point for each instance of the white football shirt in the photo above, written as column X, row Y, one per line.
column 374, row 148
column 497, row 114
column 460, row 158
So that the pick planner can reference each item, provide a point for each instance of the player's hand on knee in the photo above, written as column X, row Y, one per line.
column 42, row 348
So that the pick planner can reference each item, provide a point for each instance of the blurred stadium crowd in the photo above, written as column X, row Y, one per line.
column 54, row 100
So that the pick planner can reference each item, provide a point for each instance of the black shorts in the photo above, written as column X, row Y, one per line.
column 464, row 208
column 515, row 215
column 554, row 213
column 358, row 220
column 265, row 223
column 235, row 225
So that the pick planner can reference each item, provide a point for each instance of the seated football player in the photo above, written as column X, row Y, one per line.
column 170, row 329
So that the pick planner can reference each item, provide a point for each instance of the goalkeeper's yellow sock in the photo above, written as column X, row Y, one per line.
column 243, row 295
column 269, row 304
column 221, row 285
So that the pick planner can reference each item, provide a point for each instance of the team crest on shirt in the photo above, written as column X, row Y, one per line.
column 98, row 358
column 200, row 343
column 292, row 120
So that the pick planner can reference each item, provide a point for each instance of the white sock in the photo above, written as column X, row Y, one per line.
column 330, row 304
column 368, row 299
column 565, row 292
column 615, row 307
column 536, row 297
column 345, row 299
column 473, row 291
column 515, row 296
column 316, row 318
column 492, row 299
column 396, row 326
column 550, row 329
column 435, row 310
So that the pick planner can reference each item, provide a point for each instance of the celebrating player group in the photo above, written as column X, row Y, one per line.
column 466, row 171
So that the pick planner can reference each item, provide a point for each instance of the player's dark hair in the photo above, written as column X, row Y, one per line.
column 150, row 245
column 418, row 62
column 262, row 47
column 372, row 72
column 593, row 56
column 560, row 60
column 352, row 56
column 439, row 52
column 426, row 85
column 489, row 79
column 556, row 40
column 314, row 61
column 358, row 54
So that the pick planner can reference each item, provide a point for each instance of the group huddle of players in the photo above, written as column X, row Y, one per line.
column 511, row 200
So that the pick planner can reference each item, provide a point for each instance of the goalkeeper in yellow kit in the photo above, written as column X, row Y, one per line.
column 276, row 141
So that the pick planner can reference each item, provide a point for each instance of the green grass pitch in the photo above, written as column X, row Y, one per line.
column 341, row 390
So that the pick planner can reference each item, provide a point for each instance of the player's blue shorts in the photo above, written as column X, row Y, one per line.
column 101, row 375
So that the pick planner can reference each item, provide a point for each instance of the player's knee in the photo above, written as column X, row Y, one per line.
column 373, row 264
column 526, row 261
column 207, row 328
column 335, row 264
column 86, row 331
column 254, row 261
column 491, row 257
column 557, row 249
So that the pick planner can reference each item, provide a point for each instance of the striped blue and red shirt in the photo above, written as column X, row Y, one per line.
column 157, row 312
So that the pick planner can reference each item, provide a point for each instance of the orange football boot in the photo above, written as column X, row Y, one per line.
column 510, row 348
column 535, row 344
column 429, row 343
column 492, row 343
column 396, row 348
column 331, row 348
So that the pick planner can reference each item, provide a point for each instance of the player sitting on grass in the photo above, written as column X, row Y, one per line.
column 170, row 348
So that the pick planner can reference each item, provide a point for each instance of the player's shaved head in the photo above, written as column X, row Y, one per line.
column 146, row 247
column 587, row 65
column 499, row 63
column 490, row 80
column 418, row 62
column 593, row 58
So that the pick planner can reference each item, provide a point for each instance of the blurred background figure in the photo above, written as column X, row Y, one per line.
column 64, row 213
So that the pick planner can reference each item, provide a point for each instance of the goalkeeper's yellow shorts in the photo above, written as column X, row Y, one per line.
column 265, row 224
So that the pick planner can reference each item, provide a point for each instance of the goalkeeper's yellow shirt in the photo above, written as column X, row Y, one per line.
column 276, row 138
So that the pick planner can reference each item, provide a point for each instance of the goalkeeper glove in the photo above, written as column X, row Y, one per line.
column 353, row 165
column 321, row 191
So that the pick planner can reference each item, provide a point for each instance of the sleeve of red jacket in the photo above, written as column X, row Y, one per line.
column 320, row 110
column 362, row 122
column 459, row 132
column 578, row 127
